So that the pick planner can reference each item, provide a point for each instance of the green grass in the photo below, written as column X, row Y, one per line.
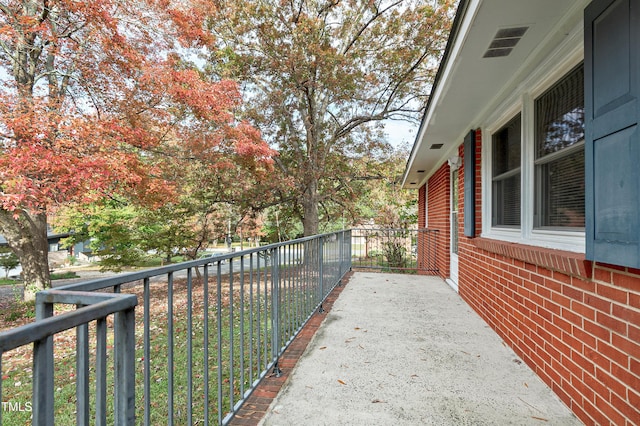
column 64, row 275
column 155, row 261
column 8, row 281
column 53, row 276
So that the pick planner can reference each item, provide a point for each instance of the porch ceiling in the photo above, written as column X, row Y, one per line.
column 470, row 86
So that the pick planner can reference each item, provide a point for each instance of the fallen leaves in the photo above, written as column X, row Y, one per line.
column 342, row 382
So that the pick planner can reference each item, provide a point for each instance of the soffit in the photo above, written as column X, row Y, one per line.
column 471, row 85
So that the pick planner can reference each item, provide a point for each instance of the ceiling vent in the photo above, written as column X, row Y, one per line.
column 504, row 42
column 436, row 146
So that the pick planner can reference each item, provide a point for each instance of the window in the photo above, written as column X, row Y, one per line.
column 506, row 149
column 559, row 154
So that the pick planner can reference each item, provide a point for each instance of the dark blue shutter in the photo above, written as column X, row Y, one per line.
column 612, row 141
column 470, row 184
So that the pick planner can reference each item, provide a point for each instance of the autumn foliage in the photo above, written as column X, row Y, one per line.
column 323, row 76
column 105, row 97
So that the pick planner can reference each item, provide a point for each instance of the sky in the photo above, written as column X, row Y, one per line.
column 399, row 132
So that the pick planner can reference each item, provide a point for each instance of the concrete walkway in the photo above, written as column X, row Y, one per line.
column 399, row 349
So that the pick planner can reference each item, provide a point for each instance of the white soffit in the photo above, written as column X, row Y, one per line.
column 472, row 85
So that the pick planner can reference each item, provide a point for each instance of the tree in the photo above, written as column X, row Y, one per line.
column 8, row 261
column 93, row 96
column 212, row 187
column 322, row 75
column 386, row 203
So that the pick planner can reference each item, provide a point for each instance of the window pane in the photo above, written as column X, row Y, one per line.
column 506, row 147
column 560, row 114
column 562, row 186
column 506, row 174
column 506, row 201
column 560, row 153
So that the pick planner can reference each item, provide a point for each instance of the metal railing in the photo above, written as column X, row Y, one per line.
column 395, row 250
column 208, row 332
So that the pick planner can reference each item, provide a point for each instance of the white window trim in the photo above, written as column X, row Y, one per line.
column 522, row 101
column 426, row 204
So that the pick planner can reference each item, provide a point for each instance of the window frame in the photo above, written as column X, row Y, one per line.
column 522, row 101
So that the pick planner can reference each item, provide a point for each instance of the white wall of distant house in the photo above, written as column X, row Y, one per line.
column 12, row 273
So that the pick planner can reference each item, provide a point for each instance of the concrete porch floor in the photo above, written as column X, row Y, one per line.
column 403, row 349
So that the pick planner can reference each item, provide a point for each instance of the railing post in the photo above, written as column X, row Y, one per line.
column 275, row 305
column 82, row 374
column 125, row 345
column 321, row 270
column 341, row 253
column 349, row 250
column 42, row 398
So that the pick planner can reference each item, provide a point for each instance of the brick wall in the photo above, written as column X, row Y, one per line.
column 438, row 200
column 576, row 324
column 422, row 207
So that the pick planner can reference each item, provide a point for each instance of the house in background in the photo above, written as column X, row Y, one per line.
column 527, row 162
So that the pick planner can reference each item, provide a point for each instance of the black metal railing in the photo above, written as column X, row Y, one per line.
column 395, row 250
column 208, row 332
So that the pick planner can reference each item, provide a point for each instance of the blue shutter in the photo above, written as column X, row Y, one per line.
column 612, row 141
column 470, row 184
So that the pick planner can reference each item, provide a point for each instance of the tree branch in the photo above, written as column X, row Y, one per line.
column 369, row 22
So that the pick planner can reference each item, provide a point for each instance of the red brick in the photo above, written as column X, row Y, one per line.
column 634, row 397
column 597, row 303
column 585, row 285
column 573, row 293
column 634, row 300
column 630, row 315
column 625, row 345
column 575, row 369
column 597, row 330
column 586, row 391
column 581, row 414
column 564, row 397
column 572, row 342
column 611, row 323
column 613, row 416
column 598, row 387
column 612, row 293
column 614, row 354
column 553, row 286
column 587, row 339
column 612, row 383
column 628, row 376
column 572, row 317
column 583, row 310
column 563, row 324
column 598, row 359
column 563, row 278
column 584, row 363
column 602, row 275
column 630, row 282
column 595, row 415
column 634, row 334
column 626, row 409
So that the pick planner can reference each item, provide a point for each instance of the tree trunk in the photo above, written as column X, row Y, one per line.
column 26, row 235
column 310, row 221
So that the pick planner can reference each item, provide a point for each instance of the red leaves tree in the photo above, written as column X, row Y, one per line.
column 93, row 97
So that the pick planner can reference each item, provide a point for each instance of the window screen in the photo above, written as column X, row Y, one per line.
column 506, row 174
column 559, row 160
